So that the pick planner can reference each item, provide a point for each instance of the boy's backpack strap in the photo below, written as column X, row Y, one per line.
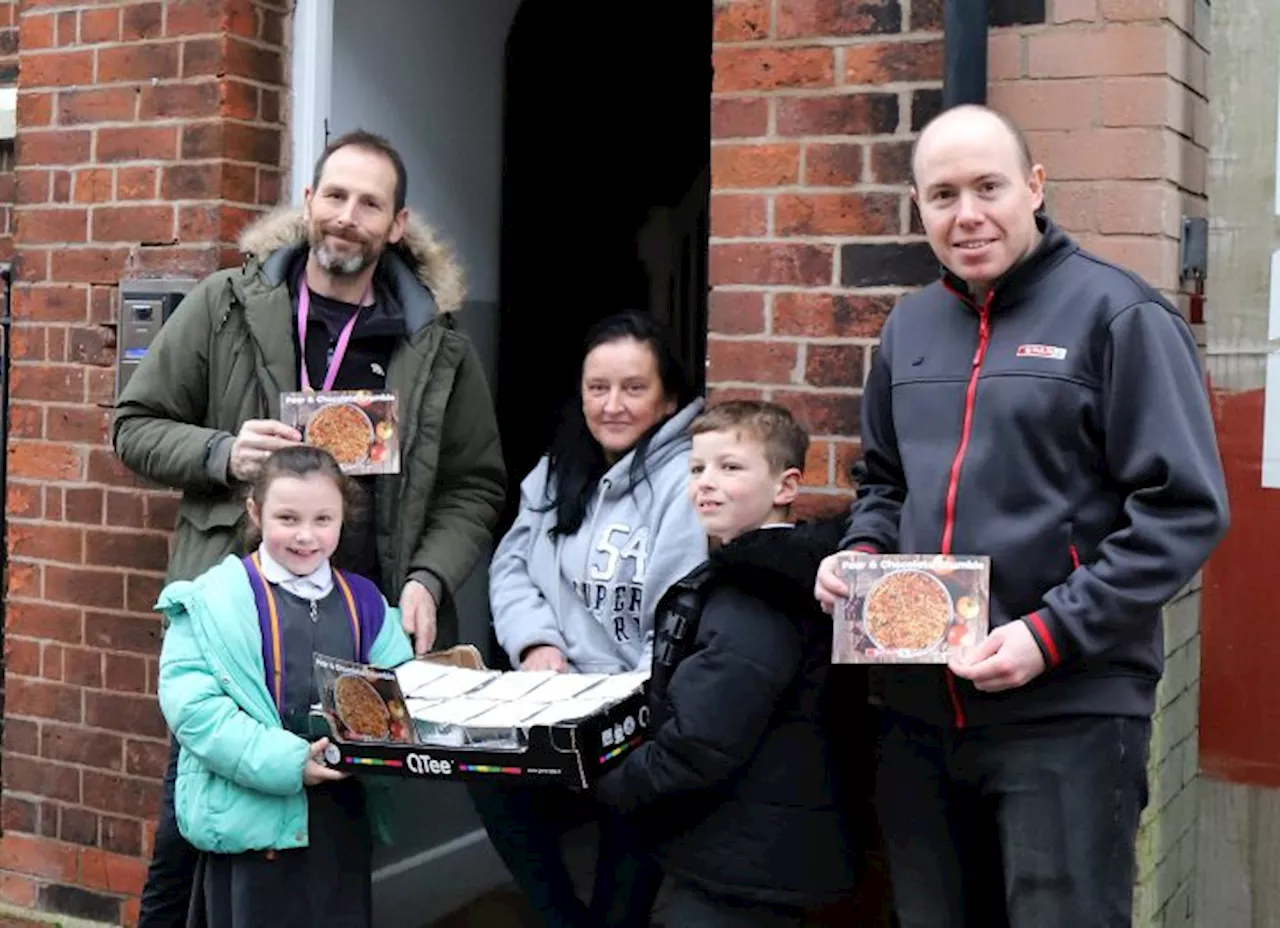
column 676, row 623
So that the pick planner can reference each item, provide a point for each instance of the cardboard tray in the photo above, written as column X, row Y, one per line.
column 572, row 754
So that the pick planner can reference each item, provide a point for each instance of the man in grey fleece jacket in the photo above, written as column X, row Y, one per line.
column 1046, row 408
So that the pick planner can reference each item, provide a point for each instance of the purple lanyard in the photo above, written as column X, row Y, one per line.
column 339, row 350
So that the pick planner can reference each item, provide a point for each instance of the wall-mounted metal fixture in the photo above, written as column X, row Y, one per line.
column 1193, row 264
column 144, row 307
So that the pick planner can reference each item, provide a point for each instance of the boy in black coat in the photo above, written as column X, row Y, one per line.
column 738, row 786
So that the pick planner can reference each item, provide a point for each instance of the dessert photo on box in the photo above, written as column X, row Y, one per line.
column 911, row 608
column 363, row 703
column 359, row 428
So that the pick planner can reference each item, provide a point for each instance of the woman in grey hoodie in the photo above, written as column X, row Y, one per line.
column 604, row 527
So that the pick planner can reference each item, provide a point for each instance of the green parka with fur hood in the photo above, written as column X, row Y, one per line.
column 227, row 353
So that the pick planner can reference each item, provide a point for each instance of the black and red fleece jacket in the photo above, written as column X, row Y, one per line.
column 1062, row 428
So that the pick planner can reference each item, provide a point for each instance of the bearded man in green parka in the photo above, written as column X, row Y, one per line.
column 201, row 412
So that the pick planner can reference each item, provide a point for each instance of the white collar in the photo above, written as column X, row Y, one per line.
column 315, row 585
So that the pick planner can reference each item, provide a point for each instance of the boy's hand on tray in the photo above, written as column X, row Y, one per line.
column 315, row 771
column 829, row 587
column 545, row 657
column 1007, row 659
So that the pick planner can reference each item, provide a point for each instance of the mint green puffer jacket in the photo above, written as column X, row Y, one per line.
column 239, row 784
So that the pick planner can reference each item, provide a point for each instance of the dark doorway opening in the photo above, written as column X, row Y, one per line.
column 605, row 194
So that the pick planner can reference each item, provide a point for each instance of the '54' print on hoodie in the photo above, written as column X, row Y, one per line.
column 610, row 599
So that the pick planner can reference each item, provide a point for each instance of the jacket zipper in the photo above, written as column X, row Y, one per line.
column 953, row 483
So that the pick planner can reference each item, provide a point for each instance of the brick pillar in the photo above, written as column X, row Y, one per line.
column 1113, row 94
column 148, row 134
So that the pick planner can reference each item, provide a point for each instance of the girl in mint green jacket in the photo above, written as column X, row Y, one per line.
column 284, row 839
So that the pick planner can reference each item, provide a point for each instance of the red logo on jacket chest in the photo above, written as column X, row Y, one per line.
column 1052, row 352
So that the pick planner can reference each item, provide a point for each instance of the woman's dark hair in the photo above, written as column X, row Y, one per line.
column 576, row 462
column 302, row 461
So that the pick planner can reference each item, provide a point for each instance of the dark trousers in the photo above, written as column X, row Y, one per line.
column 167, row 893
column 526, row 825
column 688, row 906
column 1029, row 825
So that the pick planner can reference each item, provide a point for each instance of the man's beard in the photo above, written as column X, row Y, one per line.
column 338, row 266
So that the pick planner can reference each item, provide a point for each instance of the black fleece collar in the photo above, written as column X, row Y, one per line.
column 779, row 565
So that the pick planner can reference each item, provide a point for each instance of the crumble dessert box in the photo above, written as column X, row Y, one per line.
column 360, row 428
column 361, row 703
column 911, row 608
column 465, row 721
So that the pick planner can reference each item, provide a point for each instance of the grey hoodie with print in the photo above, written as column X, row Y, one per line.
column 593, row 594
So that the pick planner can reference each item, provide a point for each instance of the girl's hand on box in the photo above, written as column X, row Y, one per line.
column 315, row 771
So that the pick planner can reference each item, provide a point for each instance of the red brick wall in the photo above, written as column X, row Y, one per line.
column 148, row 133
column 813, row 110
column 813, row 235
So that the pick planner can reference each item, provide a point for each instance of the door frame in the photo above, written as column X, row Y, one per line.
column 438, row 878
column 311, row 66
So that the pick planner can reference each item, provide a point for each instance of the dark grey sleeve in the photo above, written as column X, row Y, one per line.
column 882, row 487
column 1161, row 445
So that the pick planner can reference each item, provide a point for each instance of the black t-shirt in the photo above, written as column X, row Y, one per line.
column 364, row 367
